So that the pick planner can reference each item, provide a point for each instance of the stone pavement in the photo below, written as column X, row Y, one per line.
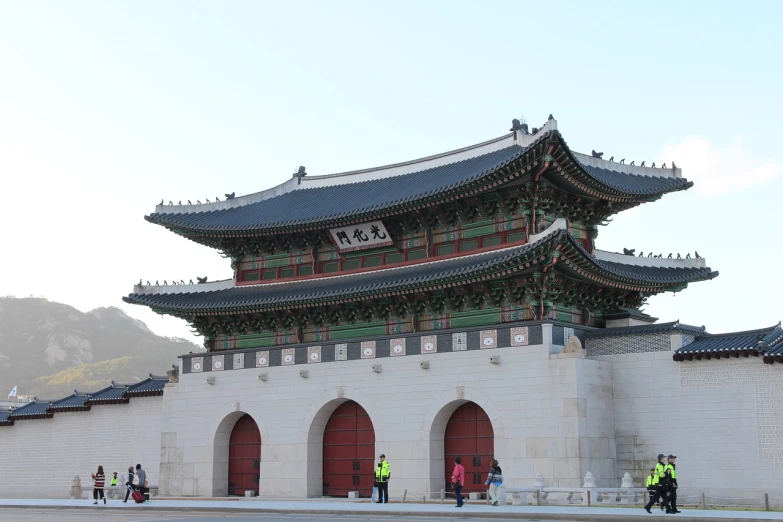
column 319, row 506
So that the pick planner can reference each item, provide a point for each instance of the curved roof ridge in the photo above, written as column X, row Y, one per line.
column 632, row 170
column 757, row 331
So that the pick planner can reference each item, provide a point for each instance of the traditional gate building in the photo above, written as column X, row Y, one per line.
column 455, row 305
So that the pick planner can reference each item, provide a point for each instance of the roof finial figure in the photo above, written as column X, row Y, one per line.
column 217, row 198
column 201, row 280
column 170, row 203
column 622, row 161
column 597, row 154
column 673, row 166
column 208, row 201
column 191, row 282
column 516, row 125
column 189, row 203
column 148, row 282
column 139, row 282
column 670, row 256
column 534, row 131
column 165, row 283
column 688, row 255
column 182, row 281
column 642, row 164
column 551, row 117
column 629, row 252
column 641, row 254
column 632, row 162
column 663, row 166
column 299, row 174
column 156, row 283
column 678, row 256
column 653, row 164
column 650, row 254
column 231, row 196
column 161, row 202
column 697, row 254
column 180, row 202
column 611, row 159
column 198, row 202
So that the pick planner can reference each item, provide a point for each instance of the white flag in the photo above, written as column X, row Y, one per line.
column 13, row 393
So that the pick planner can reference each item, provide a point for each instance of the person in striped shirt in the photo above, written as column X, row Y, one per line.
column 99, row 481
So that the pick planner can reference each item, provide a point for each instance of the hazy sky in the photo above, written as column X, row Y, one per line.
column 107, row 107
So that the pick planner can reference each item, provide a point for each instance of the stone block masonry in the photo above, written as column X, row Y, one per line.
column 40, row 457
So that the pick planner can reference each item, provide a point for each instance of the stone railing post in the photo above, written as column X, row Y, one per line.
column 76, row 488
column 588, row 488
column 629, row 496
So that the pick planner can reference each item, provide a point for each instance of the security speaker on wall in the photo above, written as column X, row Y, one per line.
column 377, row 368
column 495, row 359
column 304, row 374
column 424, row 365
column 263, row 377
column 211, row 380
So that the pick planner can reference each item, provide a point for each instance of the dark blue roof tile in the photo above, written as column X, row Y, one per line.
column 378, row 281
column 636, row 184
column 35, row 409
column 148, row 387
column 76, row 401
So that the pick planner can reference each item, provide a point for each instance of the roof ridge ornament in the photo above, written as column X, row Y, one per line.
column 299, row 174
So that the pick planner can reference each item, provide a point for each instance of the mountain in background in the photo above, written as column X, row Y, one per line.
column 49, row 349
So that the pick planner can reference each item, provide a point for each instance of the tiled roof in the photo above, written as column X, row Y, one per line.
column 74, row 402
column 633, row 313
column 365, row 199
column 148, row 387
column 31, row 410
column 371, row 283
column 646, row 329
column 311, row 205
column 4, row 420
column 765, row 341
column 636, row 184
column 112, row 394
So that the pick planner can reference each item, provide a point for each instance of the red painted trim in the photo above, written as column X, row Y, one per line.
column 383, row 267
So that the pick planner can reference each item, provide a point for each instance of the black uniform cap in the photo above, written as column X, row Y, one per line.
column 672, row 457
column 660, row 456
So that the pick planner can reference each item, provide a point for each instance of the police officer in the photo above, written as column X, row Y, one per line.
column 382, row 475
column 660, row 492
column 652, row 483
column 114, row 479
column 671, row 475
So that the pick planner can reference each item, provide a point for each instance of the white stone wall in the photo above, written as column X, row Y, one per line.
column 722, row 418
column 549, row 415
column 40, row 457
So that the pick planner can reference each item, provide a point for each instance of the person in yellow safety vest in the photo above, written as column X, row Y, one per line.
column 113, row 479
column 382, row 475
column 652, row 482
column 671, row 474
column 660, row 492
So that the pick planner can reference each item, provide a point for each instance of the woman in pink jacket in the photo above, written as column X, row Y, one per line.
column 458, row 480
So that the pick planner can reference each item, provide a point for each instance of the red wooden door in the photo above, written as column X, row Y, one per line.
column 244, row 456
column 469, row 435
column 349, row 452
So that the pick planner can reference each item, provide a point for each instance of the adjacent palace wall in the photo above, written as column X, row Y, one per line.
column 560, row 414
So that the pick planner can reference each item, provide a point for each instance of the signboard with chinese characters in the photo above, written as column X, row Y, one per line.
column 361, row 237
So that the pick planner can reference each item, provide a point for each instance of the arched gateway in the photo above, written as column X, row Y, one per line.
column 244, row 456
column 348, row 451
column 469, row 435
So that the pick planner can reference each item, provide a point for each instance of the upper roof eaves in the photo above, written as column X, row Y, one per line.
column 671, row 327
column 764, row 341
column 34, row 409
column 304, row 201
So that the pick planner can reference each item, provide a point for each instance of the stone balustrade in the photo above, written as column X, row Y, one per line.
column 588, row 494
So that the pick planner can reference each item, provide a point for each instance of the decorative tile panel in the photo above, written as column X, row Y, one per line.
column 519, row 336
column 429, row 344
column 239, row 361
column 459, row 341
column 313, row 354
column 341, row 352
column 488, row 339
column 217, row 363
column 197, row 364
column 288, row 356
column 262, row 359
column 368, row 350
column 397, row 347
